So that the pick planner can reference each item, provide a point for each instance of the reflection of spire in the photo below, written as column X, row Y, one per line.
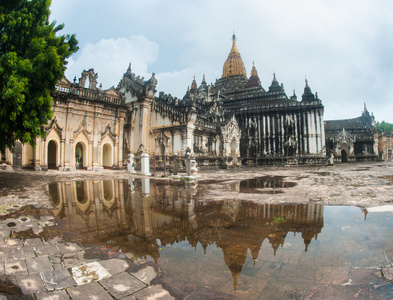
column 235, row 256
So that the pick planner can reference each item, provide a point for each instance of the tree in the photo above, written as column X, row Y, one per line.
column 32, row 60
column 384, row 127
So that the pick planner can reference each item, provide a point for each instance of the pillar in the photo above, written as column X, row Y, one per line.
column 145, row 167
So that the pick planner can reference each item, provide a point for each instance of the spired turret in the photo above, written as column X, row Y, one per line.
column 307, row 95
column 234, row 64
column 254, row 80
column 194, row 87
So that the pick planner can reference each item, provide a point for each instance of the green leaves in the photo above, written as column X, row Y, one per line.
column 32, row 60
column 384, row 127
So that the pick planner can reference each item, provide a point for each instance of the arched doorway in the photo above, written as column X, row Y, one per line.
column 107, row 157
column 344, row 156
column 52, row 155
column 344, row 153
column 107, row 186
column 79, row 156
column 17, row 156
column 162, row 149
column 290, row 151
column 81, row 191
column 233, row 150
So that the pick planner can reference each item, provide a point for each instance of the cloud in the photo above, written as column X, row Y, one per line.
column 175, row 83
column 342, row 47
column 110, row 58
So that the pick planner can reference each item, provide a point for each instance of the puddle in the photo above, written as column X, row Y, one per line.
column 229, row 245
column 262, row 185
column 388, row 179
column 324, row 173
column 245, row 249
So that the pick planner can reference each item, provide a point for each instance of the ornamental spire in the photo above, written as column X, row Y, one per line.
column 234, row 64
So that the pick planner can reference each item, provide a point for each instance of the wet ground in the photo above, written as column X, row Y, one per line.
column 250, row 233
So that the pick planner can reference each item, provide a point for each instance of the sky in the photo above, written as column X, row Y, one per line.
column 343, row 48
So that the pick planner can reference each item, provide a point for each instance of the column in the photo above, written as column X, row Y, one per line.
column 145, row 167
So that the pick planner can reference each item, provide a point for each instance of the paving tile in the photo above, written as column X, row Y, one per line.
column 146, row 274
column 122, row 284
column 89, row 291
column 331, row 275
column 14, row 243
column 357, row 291
column 115, row 265
column 23, row 253
column 68, row 247
column 13, row 267
column 199, row 295
column 2, row 267
column 6, row 252
column 33, row 242
column 71, row 262
column 30, row 283
column 57, row 279
column 153, row 292
column 369, row 259
column 89, row 272
column 363, row 276
column 43, row 250
column 38, row 264
column 55, row 295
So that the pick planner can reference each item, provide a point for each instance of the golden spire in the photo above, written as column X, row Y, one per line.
column 254, row 71
column 194, row 85
column 234, row 64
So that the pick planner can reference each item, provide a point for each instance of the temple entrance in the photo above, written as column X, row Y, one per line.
column 290, row 151
column 79, row 156
column 344, row 156
column 17, row 157
column 233, row 150
column 52, row 148
column 162, row 150
column 107, row 157
column 344, row 153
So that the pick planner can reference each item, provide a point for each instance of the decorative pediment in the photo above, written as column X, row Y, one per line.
column 231, row 129
column 64, row 81
column 344, row 137
column 108, row 131
column 54, row 125
column 82, row 128
column 161, row 139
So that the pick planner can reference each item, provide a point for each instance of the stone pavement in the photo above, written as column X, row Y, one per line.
column 58, row 270
column 33, row 268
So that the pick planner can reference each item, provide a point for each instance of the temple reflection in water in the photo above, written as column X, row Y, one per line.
column 141, row 215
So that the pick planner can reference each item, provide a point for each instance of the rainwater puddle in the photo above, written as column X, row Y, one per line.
column 242, row 248
column 388, row 179
column 262, row 185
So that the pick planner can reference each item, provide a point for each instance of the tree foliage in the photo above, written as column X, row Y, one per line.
column 384, row 127
column 32, row 59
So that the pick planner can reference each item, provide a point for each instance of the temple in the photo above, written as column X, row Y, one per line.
column 235, row 121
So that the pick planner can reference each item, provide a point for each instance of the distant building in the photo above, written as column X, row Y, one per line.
column 233, row 121
column 386, row 146
column 352, row 139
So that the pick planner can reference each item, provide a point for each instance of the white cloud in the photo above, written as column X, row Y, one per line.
column 110, row 58
column 175, row 83
column 343, row 47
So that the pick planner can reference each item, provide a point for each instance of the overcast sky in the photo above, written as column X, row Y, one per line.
column 343, row 48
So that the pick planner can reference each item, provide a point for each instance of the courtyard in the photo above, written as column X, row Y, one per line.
column 304, row 232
